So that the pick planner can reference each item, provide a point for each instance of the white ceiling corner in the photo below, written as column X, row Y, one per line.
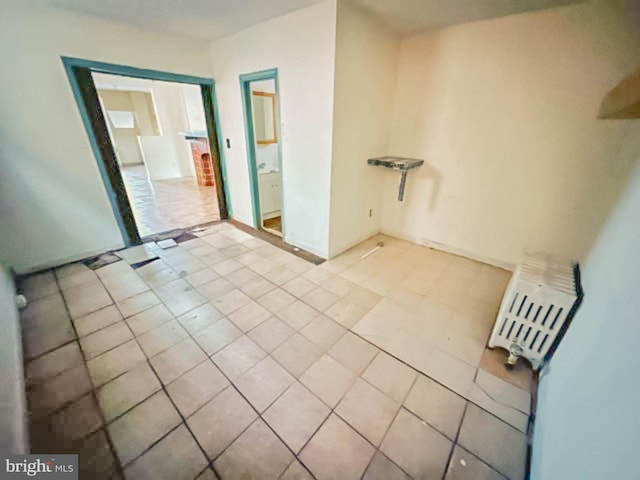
column 205, row 19
column 414, row 16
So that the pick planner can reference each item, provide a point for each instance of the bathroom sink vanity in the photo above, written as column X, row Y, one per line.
column 270, row 194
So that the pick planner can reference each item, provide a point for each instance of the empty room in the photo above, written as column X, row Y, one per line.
column 319, row 239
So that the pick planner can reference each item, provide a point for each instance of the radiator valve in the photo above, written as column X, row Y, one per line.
column 515, row 351
column 21, row 301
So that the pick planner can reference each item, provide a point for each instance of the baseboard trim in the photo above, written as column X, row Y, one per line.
column 361, row 239
column 451, row 249
column 24, row 270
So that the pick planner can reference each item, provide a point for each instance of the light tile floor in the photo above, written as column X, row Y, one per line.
column 230, row 358
column 163, row 205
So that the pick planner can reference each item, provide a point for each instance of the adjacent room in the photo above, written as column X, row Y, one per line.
column 320, row 239
column 159, row 134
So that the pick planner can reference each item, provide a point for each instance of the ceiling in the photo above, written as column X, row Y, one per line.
column 206, row 19
column 413, row 16
column 211, row 19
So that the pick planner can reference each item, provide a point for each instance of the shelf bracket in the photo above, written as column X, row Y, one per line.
column 403, row 165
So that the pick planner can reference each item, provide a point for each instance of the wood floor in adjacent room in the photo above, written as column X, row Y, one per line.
column 163, row 205
column 274, row 223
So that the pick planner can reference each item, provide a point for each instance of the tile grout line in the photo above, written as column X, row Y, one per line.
column 60, row 292
column 385, row 436
column 94, row 388
column 107, row 432
column 467, row 400
column 231, row 383
column 118, row 466
column 456, row 443
column 332, row 409
column 386, row 432
column 259, row 415
column 183, row 420
column 162, row 385
column 325, row 351
column 212, row 460
column 437, row 381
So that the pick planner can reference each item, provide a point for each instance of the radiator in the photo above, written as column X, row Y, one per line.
column 538, row 300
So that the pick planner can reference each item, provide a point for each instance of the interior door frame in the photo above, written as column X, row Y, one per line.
column 84, row 91
column 245, row 81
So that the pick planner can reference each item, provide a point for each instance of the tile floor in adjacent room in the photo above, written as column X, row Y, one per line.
column 163, row 205
column 230, row 358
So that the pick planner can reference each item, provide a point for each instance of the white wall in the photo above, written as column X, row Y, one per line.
column 194, row 108
column 366, row 58
column 13, row 412
column 587, row 420
column 173, row 119
column 504, row 114
column 53, row 205
column 301, row 45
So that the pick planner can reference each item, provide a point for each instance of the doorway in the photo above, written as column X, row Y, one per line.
column 262, row 123
column 158, row 132
column 155, row 137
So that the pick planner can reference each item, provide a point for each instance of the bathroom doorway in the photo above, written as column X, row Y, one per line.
column 262, row 123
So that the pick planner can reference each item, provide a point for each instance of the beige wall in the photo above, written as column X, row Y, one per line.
column 504, row 113
column 146, row 120
column 125, row 140
column 366, row 56
column 301, row 45
column 53, row 204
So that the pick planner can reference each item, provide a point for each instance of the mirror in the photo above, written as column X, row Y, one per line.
column 264, row 117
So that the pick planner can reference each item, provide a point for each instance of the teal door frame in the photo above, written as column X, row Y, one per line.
column 84, row 91
column 245, row 81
